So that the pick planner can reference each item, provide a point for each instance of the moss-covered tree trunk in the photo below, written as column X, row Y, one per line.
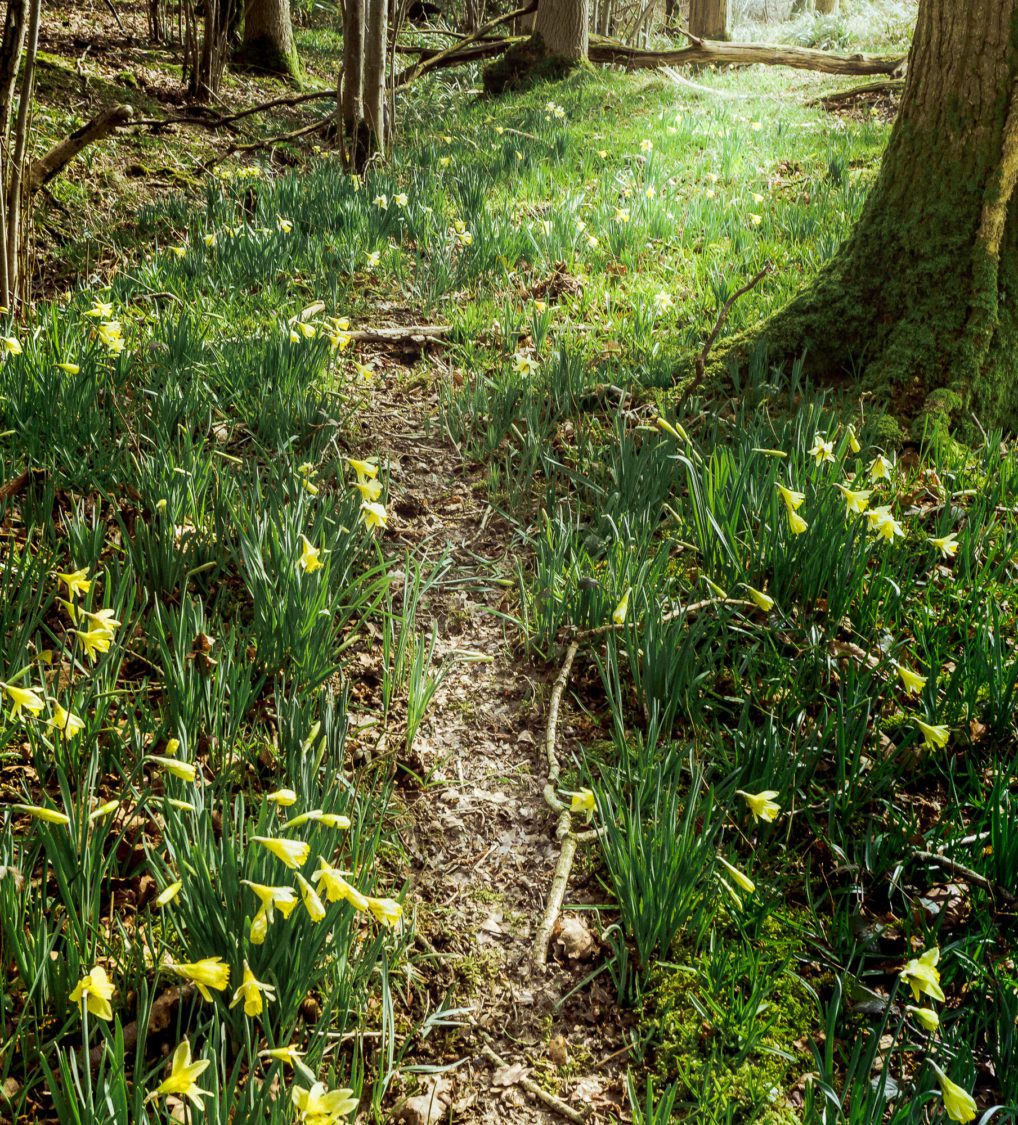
column 562, row 28
column 711, row 19
column 268, row 46
column 923, row 297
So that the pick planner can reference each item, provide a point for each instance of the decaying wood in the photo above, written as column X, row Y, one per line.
column 706, row 53
column 562, row 1108
column 60, row 155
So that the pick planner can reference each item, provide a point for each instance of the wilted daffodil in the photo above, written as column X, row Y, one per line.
column 912, row 681
column 183, row 1077
column 853, row 440
column 935, row 735
column 764, row 601
column 23, row 698
column 762, row 805
column 64, row 722
column 822, row 449
column 294, row 853
column 310, row 558
column 958, row 1102
column 620, row 611
column 855, row 501
column 183, row 771
column 947, row 545
column 41, row 812
column 94, row 992
column 76, row 581
column 374, row 515
column 251, row 992
column 923, row 977
column 321, row 1106
column 206, row 974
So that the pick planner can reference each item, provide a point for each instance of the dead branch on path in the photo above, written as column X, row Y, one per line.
column 705, row 52
column 532, row 1088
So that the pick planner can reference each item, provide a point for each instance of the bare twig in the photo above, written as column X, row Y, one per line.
column 956, row 868
column 726, row 308
column 550, row 1100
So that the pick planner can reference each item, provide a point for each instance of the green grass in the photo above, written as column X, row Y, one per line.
column 182, row 471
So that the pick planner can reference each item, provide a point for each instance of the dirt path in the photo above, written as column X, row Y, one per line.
column 480, row 836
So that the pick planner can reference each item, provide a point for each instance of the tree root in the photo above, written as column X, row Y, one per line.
column 550, row 1100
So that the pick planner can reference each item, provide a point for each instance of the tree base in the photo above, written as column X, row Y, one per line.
column 264, row 56
column 526, row 64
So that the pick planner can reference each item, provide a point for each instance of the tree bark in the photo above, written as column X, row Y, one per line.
column 268, row 45
column 923, row 297
column 352, row 108
column 828, row 7
column 562, row 28
column 376, row 34
column 711, row 19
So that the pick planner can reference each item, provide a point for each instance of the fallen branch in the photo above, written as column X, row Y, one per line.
column 46, row 167
column 970, row 876
column 726, row 308
column 532, row 1088
column 865, row 89
column 412, row 332
column 229, row 118
column 706, row 53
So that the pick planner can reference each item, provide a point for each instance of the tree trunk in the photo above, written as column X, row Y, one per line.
column 352, row 109
column 376, row 34
column 562, row 28
column 268, row 45
column 923, row 297
column 827, row 7
column 710, row 19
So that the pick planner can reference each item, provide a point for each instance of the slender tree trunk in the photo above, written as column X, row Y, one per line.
column 355, row 132
column 562, row 27
column 828, row 7
column 268, row 45
column 376, row 34
column 17, row 206
column 711, row 19
column 923, row 298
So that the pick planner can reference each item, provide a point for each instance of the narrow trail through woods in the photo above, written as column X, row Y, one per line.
column 478, row 834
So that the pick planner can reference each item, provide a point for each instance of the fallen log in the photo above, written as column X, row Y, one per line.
column 60, row 155
column 704, row 52
column 856, row 93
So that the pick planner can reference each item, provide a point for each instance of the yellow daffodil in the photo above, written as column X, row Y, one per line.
column 855, row 501
column 958, row 1102
column 68, row 368
column 288, row 1055
column 822, row 450
column 310, row 558
column 364, row 469
column 912, row 681
column 947, row 545
column 401, row 200
column 103, row 810
column 100, row 310
column 210, row 239
column 178, row 251
column 321, row 1106
column 373, row 258
column 882, row 523
column 11, row 345
column 646, row 146
column 23, row 699
column 93, row 993
column 370, row 490
column 743, row 880
column 762, row 805
column 183, row 1077
column 308, row 331
column 622, row 214
column 64, row 722
column 927, row 1017
column 283, row 899
column 650, row 191
column 755, row 219
column 336, row 888
column 166, row 896
column 111, row 336
column 880, row 468
column 251, row 992
column 760, row 599
column 184, row 771
column 796, row 524
column 293, row 853
column 582, row 802
column 40, row 812
column 76, row 581
column 620, row 611
column 285, row 226
column 282, row 797
column 934, row 735
column 94, row 641
column 923, row 977
column 374, row 515
column 209, row 973
column 365, row 371
column 312, row 903
column 387, row 911
column 663, row 302
column 793, row 500
column 525, row 364
column 853, row 440
column 172, row 746
column 381, row 202
column 102, row 619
